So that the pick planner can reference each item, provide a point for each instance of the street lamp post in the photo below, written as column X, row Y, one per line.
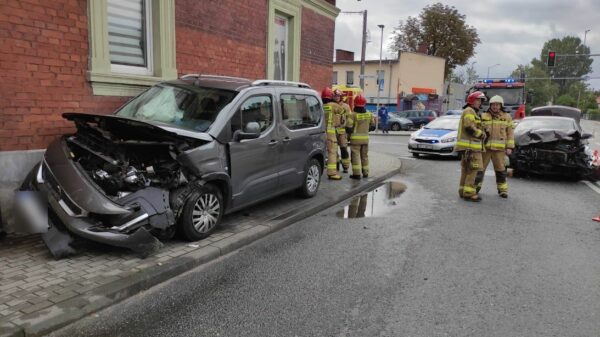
column 585, row 35
column 488, row 69
column 579, row 93
column 379, row 70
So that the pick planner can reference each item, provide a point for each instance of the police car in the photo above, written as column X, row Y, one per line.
column 438, row 137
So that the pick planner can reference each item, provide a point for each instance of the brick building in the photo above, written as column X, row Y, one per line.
column 81, row 55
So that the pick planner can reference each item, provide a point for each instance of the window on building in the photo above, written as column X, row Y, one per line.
column 130, row 36
column 132, row 45
column 300, row 111
column 349, row 77
column 334, row 80
column 380, row 79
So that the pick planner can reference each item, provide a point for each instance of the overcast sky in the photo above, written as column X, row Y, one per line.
column 512, row 32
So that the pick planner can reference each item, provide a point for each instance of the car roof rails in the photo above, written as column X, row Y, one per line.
column 214, row 77
column 281, row 83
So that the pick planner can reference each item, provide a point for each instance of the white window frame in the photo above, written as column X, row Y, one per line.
column 106, row 81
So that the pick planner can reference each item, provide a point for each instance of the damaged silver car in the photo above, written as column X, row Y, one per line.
column 550, row 144
column 175, row 158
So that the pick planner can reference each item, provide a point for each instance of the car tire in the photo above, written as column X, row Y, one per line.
column 202, row 212
column 395, row 127
column 312, row 179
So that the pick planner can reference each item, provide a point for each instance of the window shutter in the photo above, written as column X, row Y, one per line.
column 127, row 32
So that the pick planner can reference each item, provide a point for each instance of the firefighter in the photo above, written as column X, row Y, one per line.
column 498, row 127
column 360, row 122
column 333, row 113
column 469, row 143
column 342, row 137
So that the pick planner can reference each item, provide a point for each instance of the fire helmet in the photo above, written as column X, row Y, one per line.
column 327, row 93
column 475, row 95
column 497, row 99
column 360, row 101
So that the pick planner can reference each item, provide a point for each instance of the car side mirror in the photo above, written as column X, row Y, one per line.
column 586, row 135
column 251, row 131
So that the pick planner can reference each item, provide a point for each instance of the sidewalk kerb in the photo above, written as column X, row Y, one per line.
column 67, row 312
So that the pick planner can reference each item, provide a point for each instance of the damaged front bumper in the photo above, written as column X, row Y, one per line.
column 43, row 206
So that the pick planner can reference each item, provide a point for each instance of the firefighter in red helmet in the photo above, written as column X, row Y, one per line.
column 469, row 143
column 360, row 122
column 333, row 120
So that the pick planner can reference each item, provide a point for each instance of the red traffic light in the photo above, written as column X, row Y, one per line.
column 551, row 58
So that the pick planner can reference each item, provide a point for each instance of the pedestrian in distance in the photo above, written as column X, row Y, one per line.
column 383, row 119
column 469, row 144
column 498, row 127
column 342, row 137
column 333, row 120
column 359, row 123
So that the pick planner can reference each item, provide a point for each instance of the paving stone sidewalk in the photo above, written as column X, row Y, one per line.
column 39, row 294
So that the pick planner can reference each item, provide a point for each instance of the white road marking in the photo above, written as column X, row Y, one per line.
column 408, row 158
column 592, row 186
column 597, row 183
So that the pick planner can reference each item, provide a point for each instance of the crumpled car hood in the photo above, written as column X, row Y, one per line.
column 545, row 136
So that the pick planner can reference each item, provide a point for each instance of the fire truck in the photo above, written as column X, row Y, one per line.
column 349, row 93
column 513, row 93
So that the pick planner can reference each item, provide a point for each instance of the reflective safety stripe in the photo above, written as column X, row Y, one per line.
column 346, row 161
column 363, row 116
column 331, row 166
column 478, row 133
column 470, row 117
column 341, row 131
column 357, row 137
column 496, row 145
column 329, row 111
column 502, row 187
column 468, row 144
column 468, row 189
column 510, row 142
column 356, row 167
column 365, row 168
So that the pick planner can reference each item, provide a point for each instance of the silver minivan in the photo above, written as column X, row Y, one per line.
column 176, row 157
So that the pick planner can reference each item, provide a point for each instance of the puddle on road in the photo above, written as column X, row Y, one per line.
column 376, row 202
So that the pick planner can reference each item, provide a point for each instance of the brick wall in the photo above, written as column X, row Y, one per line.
column 43, row 60
column 316, row 64
column 211, row 42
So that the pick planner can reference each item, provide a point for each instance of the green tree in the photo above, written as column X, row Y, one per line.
column 542, row 88
column 566, row 100
column 444, row 33
column 567, row 66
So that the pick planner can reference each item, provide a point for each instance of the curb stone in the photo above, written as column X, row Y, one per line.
column 64, row 313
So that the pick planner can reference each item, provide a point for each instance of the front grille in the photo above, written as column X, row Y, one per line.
column 428, row 141
column 556, row 157
column 58, row 191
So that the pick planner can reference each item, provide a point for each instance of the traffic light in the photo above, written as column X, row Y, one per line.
column 551, row 58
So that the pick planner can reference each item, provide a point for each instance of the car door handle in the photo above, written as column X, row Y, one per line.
column 287, row 139
column 273, row 142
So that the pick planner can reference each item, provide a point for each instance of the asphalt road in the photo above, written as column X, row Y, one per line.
column 422, row 264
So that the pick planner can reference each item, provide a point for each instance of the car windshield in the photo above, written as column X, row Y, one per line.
column 189, row 108
column 546, row 123
column 444, row 123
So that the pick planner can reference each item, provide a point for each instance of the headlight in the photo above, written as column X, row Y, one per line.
column 449, row 140
column 413, row 136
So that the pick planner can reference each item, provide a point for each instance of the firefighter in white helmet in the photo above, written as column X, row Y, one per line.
column 500, row 142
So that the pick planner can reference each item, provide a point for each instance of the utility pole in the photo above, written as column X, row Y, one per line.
column 363, row 51
column 364, row 46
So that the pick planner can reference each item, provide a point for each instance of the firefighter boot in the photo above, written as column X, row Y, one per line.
column 335, row 177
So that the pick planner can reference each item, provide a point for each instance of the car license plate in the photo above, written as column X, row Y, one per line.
column 425, row 146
